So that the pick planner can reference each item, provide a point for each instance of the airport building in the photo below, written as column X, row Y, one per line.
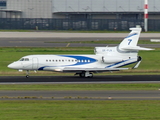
column 77, row 14
column 80, row 9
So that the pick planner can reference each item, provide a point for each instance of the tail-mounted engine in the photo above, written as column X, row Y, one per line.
column 109, row 60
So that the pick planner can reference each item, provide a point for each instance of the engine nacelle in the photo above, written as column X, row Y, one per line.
column 111, row 59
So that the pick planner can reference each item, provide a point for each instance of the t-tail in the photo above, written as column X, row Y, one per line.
column 130, row 42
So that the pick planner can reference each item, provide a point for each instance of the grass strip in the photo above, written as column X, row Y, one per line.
column 62, row 87
column 80, row 110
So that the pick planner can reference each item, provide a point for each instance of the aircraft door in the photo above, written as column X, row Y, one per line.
column 34, row 63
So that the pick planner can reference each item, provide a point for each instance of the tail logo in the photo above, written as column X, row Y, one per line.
column 129, row 41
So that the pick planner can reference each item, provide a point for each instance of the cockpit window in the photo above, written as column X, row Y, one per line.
column 24, row 59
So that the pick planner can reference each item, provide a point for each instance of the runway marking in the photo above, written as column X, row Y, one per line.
column 68, row 45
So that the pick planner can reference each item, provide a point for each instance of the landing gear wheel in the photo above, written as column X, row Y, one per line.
column 27, row 76
column 86, row 74
column 91, row 75
column 82, row 75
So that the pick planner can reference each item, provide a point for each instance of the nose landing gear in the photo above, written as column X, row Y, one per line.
column 27, row 74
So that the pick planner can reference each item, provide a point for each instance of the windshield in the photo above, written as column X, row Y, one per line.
column 24, row 59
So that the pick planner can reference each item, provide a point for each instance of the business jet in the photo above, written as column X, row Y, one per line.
column 104, row 59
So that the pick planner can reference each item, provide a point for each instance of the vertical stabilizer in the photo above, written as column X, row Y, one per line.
column 132, row 39
column 130, row 42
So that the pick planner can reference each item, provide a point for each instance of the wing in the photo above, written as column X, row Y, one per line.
column 73, row 69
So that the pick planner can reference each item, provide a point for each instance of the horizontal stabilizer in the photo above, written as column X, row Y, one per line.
column 135, row 48
column 73, row 69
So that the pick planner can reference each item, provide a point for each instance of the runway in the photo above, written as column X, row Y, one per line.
column 54, row 39
column 81, row 95
column 55, row 42
column 74, row 35
column 76, row 79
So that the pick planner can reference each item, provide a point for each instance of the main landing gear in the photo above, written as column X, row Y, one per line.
column 85, row 74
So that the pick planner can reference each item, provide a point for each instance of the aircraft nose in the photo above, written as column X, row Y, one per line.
column 11, row 66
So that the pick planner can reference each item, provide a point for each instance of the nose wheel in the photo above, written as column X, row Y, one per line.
column 27, row 74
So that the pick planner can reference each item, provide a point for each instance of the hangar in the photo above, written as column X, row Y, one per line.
column 77, row 14
column 81, row 9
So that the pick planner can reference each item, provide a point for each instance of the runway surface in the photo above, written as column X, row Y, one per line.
column 48, row 39
column 81, row 95
column 77, row 79
column 72, row 35
column 45, row 42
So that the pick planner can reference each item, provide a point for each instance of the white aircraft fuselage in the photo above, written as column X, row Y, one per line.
column 104, row 59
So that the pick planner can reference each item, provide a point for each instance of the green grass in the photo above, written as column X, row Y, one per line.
column 80, row 110
column 61, row 87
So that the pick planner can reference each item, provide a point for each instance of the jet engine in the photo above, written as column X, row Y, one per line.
column 111, row 59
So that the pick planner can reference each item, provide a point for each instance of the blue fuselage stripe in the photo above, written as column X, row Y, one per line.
column 81, row 60
column 131, row 35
